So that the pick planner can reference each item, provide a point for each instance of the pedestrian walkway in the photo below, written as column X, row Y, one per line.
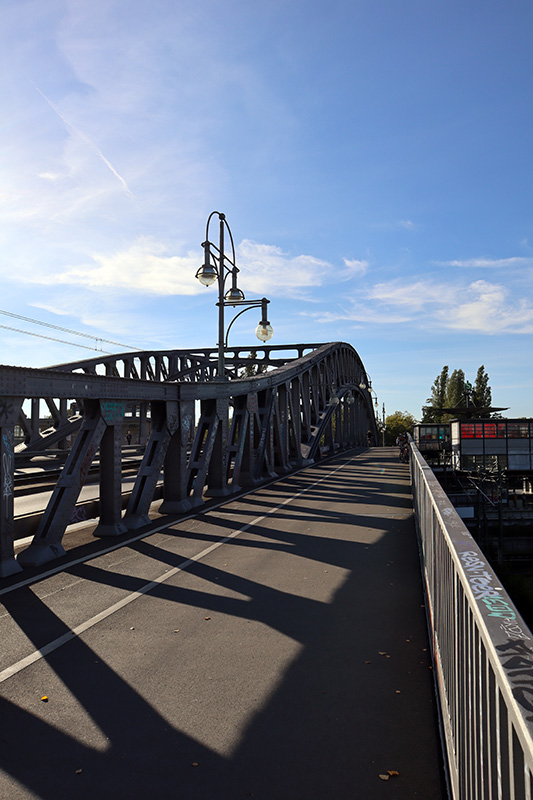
column 274, row 648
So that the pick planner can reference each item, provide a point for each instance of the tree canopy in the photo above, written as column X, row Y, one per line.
column 452, row 395
column 399, row 422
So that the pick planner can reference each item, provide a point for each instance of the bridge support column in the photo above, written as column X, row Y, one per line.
column 281, row 431
column 217, row 483
column 9, row 411
column 175, row 477
column 111, row 474
column 164, row 423
column 46, row 545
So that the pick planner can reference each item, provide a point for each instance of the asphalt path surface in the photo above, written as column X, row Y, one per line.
column 274, row 648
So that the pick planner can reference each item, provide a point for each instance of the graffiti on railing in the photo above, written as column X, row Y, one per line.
column 517, row 660
column 482, row 584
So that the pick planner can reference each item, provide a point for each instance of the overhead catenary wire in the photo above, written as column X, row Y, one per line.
column 63, row 330
column 53, row 339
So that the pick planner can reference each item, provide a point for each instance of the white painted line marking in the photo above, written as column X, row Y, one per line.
column 8, row 672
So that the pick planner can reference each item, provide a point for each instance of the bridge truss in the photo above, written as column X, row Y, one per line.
column 201, row 436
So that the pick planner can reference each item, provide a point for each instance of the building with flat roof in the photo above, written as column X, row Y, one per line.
column 488, row 444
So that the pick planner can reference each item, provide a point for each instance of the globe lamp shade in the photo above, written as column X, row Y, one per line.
column 207, row 275
column 264, row 331
column 234, row 295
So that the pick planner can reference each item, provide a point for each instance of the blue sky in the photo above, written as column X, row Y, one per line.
column 373, row 159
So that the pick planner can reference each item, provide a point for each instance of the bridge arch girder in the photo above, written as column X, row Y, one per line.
column 207, row 437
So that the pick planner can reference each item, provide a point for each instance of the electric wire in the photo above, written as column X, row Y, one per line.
column 53, row 339
column 60, row 328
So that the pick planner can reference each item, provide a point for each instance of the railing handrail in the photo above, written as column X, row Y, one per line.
column 482, row 650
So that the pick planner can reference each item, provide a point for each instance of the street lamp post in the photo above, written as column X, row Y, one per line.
column 218, row 266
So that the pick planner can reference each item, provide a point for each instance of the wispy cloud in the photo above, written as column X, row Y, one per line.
column 354, row 268
column 489, row 263
column 147, row 266
column 87, row 141
column 267, row 269
column 361, row 313
column 486, row 309
column 396, row 225
column 478, row 307
column 414, row 295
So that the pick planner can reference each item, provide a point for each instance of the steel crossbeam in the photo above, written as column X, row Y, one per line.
column 199, row 437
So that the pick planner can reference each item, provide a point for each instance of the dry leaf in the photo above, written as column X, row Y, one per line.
column 207, row 617
column 194, row 764
column 384, row 777
column 79, row 771
column 393, row 772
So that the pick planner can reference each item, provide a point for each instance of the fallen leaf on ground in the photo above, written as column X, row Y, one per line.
column 384, row 777
column 393, row 772
column 207, row 617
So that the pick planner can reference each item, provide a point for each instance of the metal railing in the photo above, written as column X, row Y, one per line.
column 205, row 438
column 483, row 654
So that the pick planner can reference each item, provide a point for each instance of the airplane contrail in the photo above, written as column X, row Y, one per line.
column 87, row 141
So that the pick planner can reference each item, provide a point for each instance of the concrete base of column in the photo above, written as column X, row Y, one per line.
column 9, row 567
column 114, row 529
column 175, row 506
column 136, row 521
column 224, row 492
column 37, row 554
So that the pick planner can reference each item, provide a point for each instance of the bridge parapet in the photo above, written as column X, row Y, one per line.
column 483, row 653
column 206, row 438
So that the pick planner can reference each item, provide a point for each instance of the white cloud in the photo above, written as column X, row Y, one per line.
column 415, row 295
column 354, row 268
column 401, row 224
column 489, row 263
column 487, row 310
column 146, row 266
column 407, row 224
column 364, row 314
column 143, row 267
column 266, row 269
column 88, row 142
column 478, row 307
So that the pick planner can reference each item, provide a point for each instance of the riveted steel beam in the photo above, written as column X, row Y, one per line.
column 202, row 437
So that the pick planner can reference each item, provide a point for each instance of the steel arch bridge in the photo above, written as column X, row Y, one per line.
column 205, row 437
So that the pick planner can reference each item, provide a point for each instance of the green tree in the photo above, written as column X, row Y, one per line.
column 399, row 422
column 450, row 391
column 455, row 392
column 252, row 369
column 433, row 411
column 482, row 394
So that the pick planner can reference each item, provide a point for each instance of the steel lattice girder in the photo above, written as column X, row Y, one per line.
column 210, row 438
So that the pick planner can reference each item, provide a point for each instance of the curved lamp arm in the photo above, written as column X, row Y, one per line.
column 249, row 308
